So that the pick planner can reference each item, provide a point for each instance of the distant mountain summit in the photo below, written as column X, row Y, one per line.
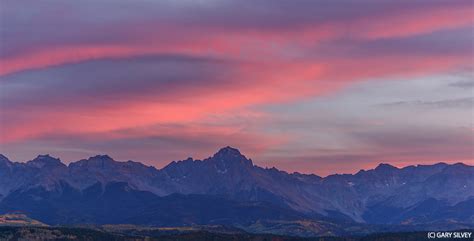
column 102, row 190
column 45, row 161
column 229, row 156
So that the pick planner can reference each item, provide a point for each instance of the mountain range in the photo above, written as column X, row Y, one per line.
column 228, row 189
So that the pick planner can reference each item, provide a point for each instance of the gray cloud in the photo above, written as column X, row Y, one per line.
column 30, row 25
column 466, row 84
column 463, row 103
column 154, row 77
column 420, row 140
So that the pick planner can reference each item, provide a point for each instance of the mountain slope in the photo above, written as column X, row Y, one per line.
column 118, row 203
column 384, row 195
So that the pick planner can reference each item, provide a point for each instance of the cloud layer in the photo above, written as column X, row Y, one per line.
column 167, row 79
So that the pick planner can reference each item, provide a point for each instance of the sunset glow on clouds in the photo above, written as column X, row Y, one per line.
column 309, row 86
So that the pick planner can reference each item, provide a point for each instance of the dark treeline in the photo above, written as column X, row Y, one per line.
column 70, row 233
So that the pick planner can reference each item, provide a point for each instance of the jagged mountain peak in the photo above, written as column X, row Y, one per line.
column 101, row 161
column 385, row 167
column 230, row 174
column 45, row 161
column 101, row 158
column 225, row 161
column 459, row 165
column 458, row 168
column 226, row 151
column 3, row 158
column 4, row 162
column 230, row 156
column 439, row 164
column 188, row 161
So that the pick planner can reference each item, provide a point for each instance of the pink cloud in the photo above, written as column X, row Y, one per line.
column 272, row 62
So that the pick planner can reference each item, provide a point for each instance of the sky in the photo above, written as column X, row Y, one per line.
column 314, row 86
